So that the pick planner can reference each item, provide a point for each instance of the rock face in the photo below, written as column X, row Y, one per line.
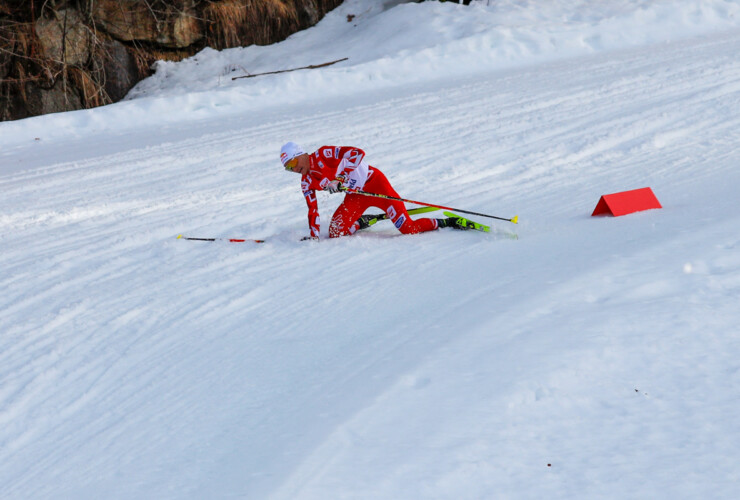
column 119, row 71
column 57, row 98
column 64, row 37
column 61, row 55
column 172, row 25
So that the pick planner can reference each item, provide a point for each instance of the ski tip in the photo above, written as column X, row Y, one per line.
column 515, row 219
column 179, row 236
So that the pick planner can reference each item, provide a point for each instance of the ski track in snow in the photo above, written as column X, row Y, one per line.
column 112, row 329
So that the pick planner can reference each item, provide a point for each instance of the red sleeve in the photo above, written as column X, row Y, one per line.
column 336, row 161
column 349, row 159
column 314, row 221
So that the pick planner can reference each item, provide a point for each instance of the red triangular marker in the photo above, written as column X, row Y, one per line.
column 626, row 202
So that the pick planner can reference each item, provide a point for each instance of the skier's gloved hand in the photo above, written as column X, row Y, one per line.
column 334, row 186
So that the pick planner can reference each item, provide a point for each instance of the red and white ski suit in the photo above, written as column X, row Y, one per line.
column 347, row 165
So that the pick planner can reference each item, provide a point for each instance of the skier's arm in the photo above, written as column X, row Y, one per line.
column 349, row 160
column 314, row 221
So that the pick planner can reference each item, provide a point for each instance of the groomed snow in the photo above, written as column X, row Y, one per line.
column 591, row 358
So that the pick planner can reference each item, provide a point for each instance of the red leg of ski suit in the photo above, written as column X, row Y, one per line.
column 354, row 205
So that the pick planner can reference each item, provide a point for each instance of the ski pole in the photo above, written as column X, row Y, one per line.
column 230, row 240
column 514, row 219
column 373, row 219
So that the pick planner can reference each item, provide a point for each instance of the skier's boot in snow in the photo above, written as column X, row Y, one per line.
column 456, row 223
column 366, row 221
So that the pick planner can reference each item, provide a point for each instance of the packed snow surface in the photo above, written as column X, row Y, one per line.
column 592, row 357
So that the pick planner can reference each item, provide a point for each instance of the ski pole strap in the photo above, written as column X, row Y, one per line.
column 514, row 219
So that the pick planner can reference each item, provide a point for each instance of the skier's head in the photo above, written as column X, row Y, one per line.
column 289, row 154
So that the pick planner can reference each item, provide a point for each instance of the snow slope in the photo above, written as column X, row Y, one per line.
column 590, row 358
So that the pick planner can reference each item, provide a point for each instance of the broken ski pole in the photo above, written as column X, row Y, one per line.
column 514, row 219
column 312, row 66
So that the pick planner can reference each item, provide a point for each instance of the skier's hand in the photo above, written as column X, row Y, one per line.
column 334, row 186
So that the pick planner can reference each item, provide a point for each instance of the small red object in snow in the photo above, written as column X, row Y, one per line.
column 626, row 202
